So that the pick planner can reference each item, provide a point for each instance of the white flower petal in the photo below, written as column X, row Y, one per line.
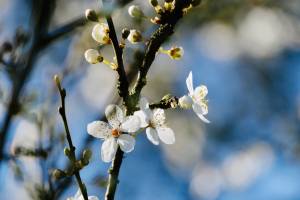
column 152, row 135
column 114, row 115
column 99, row 129
column 109, row 149
column 78, row 196
column 166, row 135
column 200, row 112
column 144, row 104
column 143, row 118
column 131, row 124
column 200, row 92
column 93, row 198
column 185, row 102
column 126, row 142
column 189, row 83
column 159, row 117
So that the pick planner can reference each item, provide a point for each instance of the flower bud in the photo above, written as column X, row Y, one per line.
column 154, row 3
column 125, row 33
column 169, row 6
column 185, row 102
column 134, row 36
column 156, row 20
column 87, row 154
column 176, row 53
column 67, row 151
column 100, row 33
column 57, row 81
column 58, row 174
column 92, row 56
column 91, row 15
column 135, row 11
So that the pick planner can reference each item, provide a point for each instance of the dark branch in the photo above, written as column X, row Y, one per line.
column 72, row 156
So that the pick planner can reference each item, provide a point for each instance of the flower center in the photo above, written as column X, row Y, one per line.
column 115, row 133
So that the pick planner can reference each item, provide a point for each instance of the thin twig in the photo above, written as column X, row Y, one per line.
column 62, row 112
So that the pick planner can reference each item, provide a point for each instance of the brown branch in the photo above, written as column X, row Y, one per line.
column 166, row 29
column 72, row 156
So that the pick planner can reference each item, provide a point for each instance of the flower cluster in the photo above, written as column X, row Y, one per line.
column 120, row 131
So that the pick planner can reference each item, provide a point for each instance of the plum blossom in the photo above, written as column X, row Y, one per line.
column 112, row 132
column 155, row 123
column 78, row 196
column 195, row 99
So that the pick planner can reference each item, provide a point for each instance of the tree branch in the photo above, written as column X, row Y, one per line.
column 72, row 156
column 163, row 32
column 166, row 29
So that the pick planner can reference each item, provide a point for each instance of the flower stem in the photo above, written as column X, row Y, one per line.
column 62, row 112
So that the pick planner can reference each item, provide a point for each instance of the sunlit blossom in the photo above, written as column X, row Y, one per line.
column 113, row 132
column 155, row 123
column 195, row 99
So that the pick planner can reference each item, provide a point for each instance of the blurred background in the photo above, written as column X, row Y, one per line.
column 246, row 52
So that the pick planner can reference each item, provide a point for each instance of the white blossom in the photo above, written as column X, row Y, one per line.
column 78, row 196
column 195, row 99
column 134, row 36
column 112, row 132
column 135, row 11
column 155, row 123
column 100, row 33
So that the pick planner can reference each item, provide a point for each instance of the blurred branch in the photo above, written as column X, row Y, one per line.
column 42, row 11
column 63, row 30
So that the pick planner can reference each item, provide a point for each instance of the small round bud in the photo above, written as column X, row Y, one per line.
column 135, row 11
column 169, row 6
column 56, row 80
column 100, row 33
column 195, row 3
column 154, row 3
column 58, row 174
column 91, row 15
column 134, row 36
column 176, row 53
column 92, row 56
column 67, row 152
column 159, row 10
column 185, row 102
column 87, row 154
column 125, row 33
